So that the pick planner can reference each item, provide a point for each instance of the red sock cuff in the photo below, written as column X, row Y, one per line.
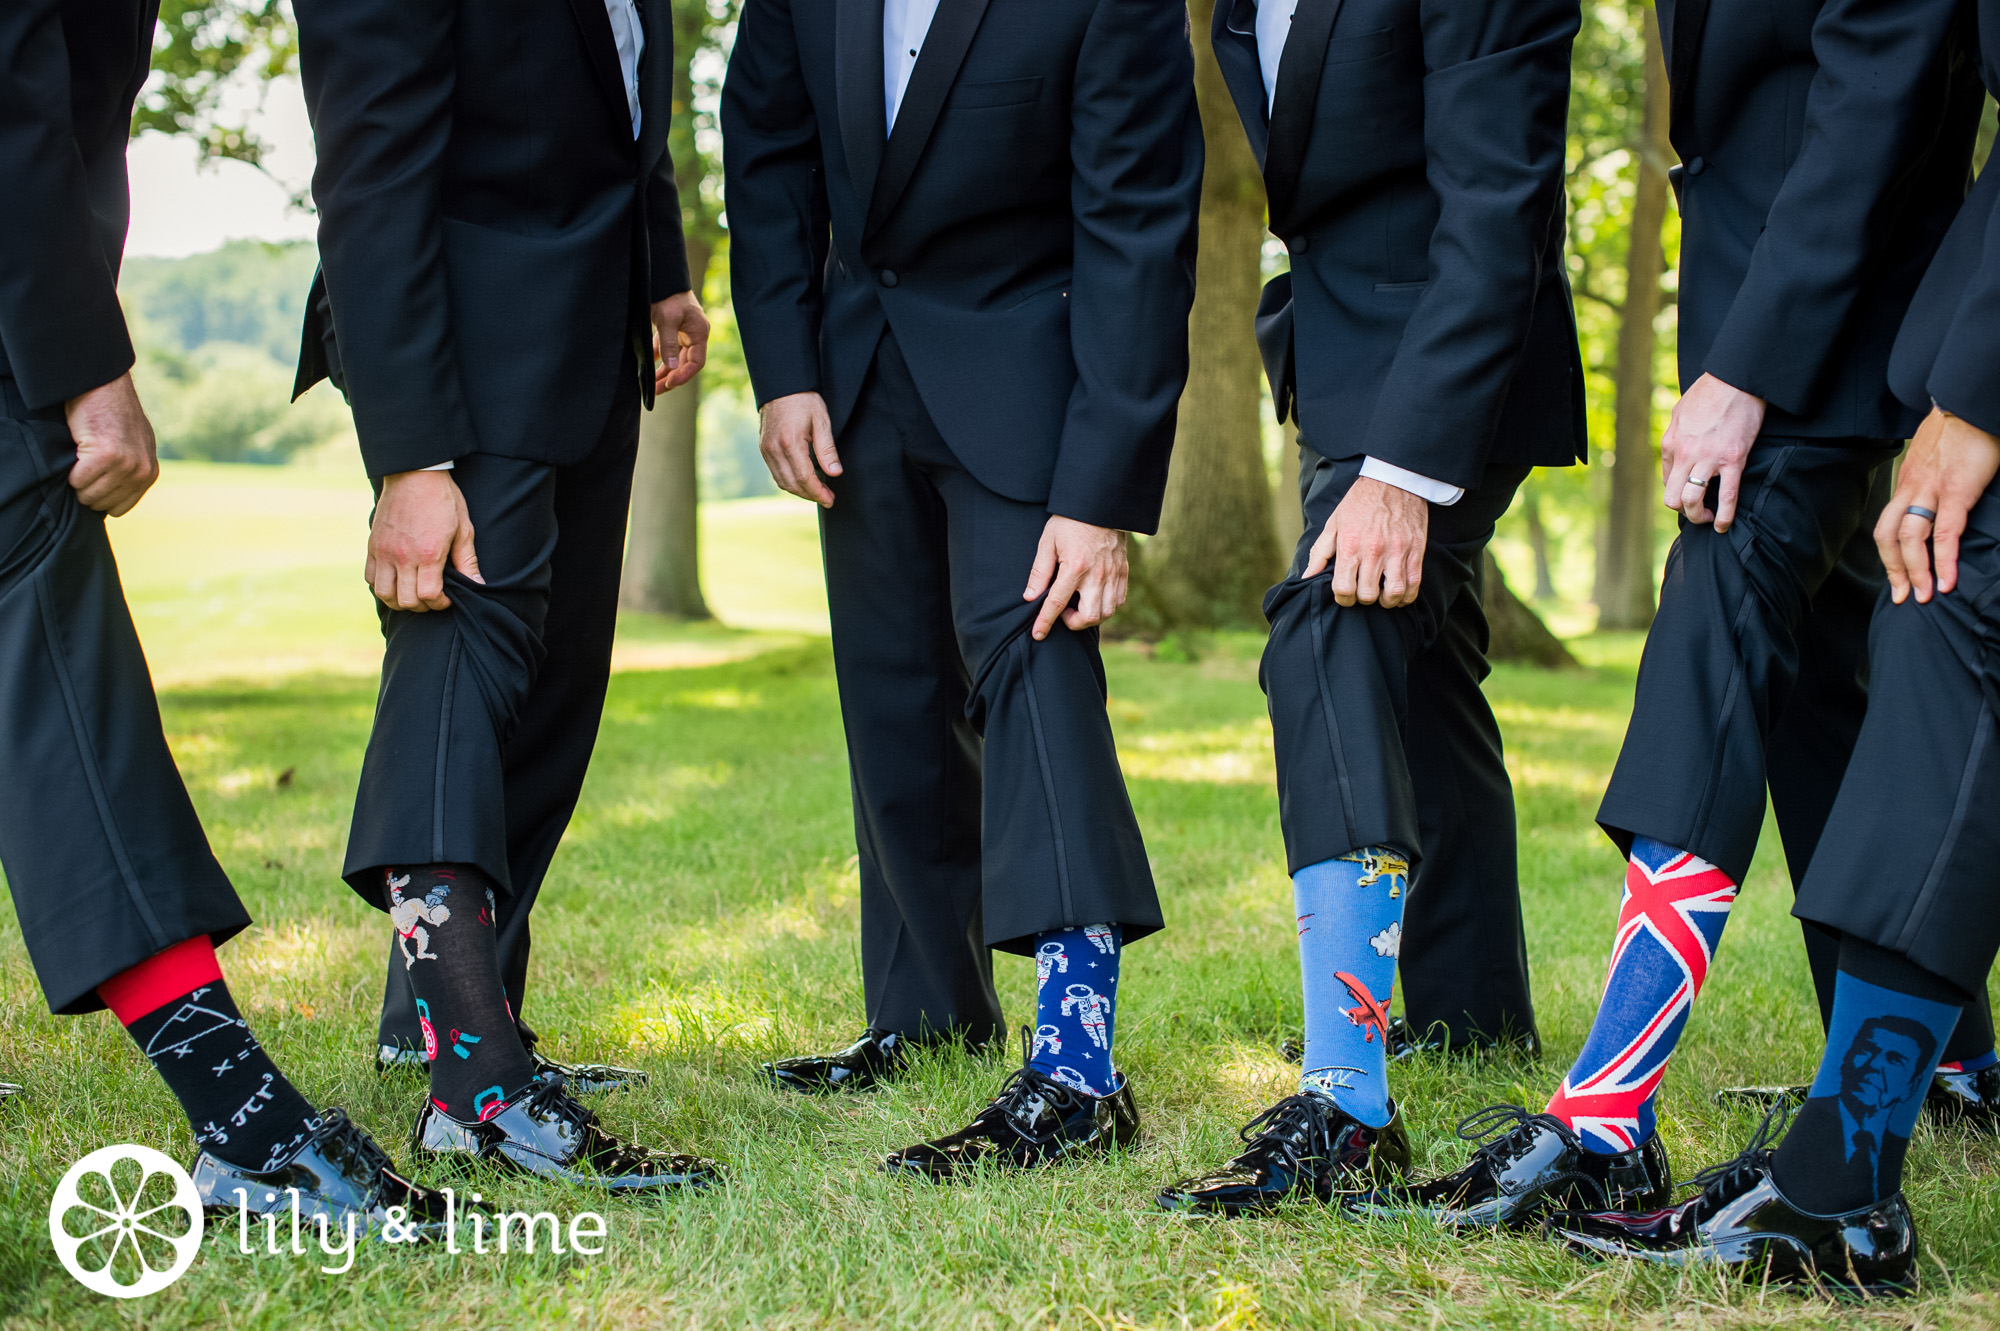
column 160, row 979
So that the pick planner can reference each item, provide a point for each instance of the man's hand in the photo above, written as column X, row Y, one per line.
column 793, row 432
column 116, row 462
column 1948, row 467
column 680, row 341
column 1077, row 560
column 1710, row 435
column 420, row 522
column 1375, row 542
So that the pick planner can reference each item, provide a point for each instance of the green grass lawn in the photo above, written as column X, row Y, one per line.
column 701, row 918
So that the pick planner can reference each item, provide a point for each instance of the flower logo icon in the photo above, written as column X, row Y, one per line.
column 125, row 1221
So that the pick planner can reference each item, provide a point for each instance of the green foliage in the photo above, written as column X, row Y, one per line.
column 226, row 402
column 1607, row 102
column 249, row 291
column 198, row 49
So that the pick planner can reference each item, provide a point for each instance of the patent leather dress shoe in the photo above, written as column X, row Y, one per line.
column 1971, row 1099
column 1964, row 1099
column 1035, row 1120
column 1528, row 1164
column 1402, row 1041
column 1304, row 1146
column 340, row 1174
column 545, row 1132
column 874, row 1058
column 1740, row 1220
column 583, row 1078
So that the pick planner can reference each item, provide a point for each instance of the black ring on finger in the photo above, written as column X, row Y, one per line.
column 1919, row 511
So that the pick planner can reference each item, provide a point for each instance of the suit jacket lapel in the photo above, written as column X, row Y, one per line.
column 656, row 83
column 1297, row 97
column 864, row 121
column 603, row 51
column 937, row 68
column 1236, row 52
column 1690, row 18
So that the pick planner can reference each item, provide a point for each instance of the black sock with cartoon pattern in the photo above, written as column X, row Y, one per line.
column 443, row 915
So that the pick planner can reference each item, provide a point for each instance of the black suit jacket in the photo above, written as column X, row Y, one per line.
column 1949, row 349
column 71, row 71
column 490, row 235
column 1414, row 163
column 1825, row 146
column 1028, row 231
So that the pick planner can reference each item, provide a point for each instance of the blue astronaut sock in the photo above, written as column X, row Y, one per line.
column 1350, row 913
column 1076, row 989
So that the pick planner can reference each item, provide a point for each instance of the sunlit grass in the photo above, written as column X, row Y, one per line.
column 702, row 917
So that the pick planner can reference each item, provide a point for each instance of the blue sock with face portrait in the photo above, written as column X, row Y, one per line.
column 1076, row 992
column 1845, row 1148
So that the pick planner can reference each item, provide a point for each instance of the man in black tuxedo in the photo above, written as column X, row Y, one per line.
column 120, row 900
column 1825, row 148
column 500, row 248
column 1903, row 877
column 1425, row 343
column 968, row 335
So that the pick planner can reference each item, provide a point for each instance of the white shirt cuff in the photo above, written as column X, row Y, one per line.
column 1423, row 487
column 444, row 466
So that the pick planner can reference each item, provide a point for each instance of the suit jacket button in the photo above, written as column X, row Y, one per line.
column 1299, row 244
column 1697, row 165
column 887, row 277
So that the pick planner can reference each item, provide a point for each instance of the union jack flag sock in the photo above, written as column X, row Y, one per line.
column 1669, row 924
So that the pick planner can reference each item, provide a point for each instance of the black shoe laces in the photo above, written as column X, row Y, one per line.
column 1722, row 1183
column 1291, row 1132
column 602, row 1151
column 1503, row 1130
column 1025, row 1086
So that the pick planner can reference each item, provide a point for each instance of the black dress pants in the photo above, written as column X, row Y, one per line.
column 104, row 856
column 1385, row 739
column 988, row 802
column 489, row 711
column 1755, row 673
column 1908, row 860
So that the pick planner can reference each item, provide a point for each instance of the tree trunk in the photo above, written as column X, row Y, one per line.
column 1217, row 552
column 1625, row 563
column 1287, row 517
column 1514, row 632
column 1538, row 541
column 662, row 558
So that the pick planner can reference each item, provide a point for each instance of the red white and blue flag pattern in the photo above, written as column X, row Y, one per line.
column 1669, row 924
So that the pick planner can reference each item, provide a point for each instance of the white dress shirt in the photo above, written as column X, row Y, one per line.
column 905, row 23
column 630, row 38
column 1274, row 25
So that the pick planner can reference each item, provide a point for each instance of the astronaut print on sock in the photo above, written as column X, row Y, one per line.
column 1092, row 1008
column 1076, row 988
column 1073, row 1079
column 1050, row 957
column 411, row 914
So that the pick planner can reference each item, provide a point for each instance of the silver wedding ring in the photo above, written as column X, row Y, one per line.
column 1919, row 511
column 1700, row 485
